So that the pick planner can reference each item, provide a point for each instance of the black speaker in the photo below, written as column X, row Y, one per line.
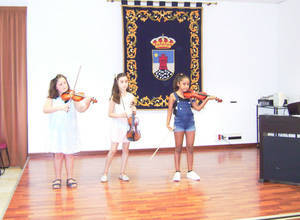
column 281, row 160
column 294, row 108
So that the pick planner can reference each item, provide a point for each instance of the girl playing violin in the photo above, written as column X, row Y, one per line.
column 121, row 106
column 63, row 141
column 184, row 123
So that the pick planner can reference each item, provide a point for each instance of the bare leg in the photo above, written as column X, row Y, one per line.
column 110, row 156
column 125, row 152
column 69, row 163
column 58, row 158
column 190, row 138
column 178, row 148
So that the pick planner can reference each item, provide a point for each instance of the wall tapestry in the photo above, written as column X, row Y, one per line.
column 160, row 42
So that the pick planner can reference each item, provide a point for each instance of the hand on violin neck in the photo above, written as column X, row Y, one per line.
column 133, row 109
column 212, row 97
column 89, row 99
column 215, row 98
column 128, row 113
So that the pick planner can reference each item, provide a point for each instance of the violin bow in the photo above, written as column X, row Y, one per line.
column 76, row 82
column 77, row 78
column 154, row 153
column 164, row 137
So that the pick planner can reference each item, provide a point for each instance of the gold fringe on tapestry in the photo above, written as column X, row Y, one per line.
column 206, row 3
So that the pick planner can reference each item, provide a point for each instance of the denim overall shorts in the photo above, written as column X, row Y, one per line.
column 184, row 117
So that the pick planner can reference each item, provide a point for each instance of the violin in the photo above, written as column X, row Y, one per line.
column 76, row 97
column 133, row 134
column 198, row 95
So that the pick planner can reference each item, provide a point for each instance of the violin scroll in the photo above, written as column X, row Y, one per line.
column 218, row 99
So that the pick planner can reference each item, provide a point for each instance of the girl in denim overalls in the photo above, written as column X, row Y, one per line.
column 184, row 123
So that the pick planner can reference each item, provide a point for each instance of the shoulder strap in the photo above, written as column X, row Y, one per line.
column 176, row 96
column 121, row 100
column 175, row 104
column 123, row 104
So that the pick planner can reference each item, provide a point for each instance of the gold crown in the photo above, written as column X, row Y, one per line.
column 163, row 42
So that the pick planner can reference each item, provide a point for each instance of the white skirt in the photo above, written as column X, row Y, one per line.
column 63, row 131
column 118, row 131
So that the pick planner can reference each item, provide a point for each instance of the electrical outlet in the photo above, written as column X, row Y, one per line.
column 234, row 137
column 229, row 136
column 221, row 137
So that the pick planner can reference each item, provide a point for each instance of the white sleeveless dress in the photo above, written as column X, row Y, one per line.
column 63, row 130
column 119, row 126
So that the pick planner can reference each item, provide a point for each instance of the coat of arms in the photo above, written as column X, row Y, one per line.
column 163, row 58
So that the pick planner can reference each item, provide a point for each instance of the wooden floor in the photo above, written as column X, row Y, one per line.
column 229, row 189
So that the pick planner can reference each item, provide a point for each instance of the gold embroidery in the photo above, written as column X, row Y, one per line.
column 160, row 15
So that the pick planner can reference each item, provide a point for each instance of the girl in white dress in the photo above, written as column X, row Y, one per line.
column 63, row 131
column 121, row 106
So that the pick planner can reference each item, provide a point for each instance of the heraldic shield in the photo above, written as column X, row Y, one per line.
column 163, row 67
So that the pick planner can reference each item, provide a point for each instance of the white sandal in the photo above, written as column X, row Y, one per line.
column 104, row 178
column 124, row 177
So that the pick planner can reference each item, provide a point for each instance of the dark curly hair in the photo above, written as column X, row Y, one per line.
column 178, row 77
column 52, row 92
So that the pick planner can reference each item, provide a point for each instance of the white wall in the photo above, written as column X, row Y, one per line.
column 13, row 3
column 240, row 63
column 289, row 49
